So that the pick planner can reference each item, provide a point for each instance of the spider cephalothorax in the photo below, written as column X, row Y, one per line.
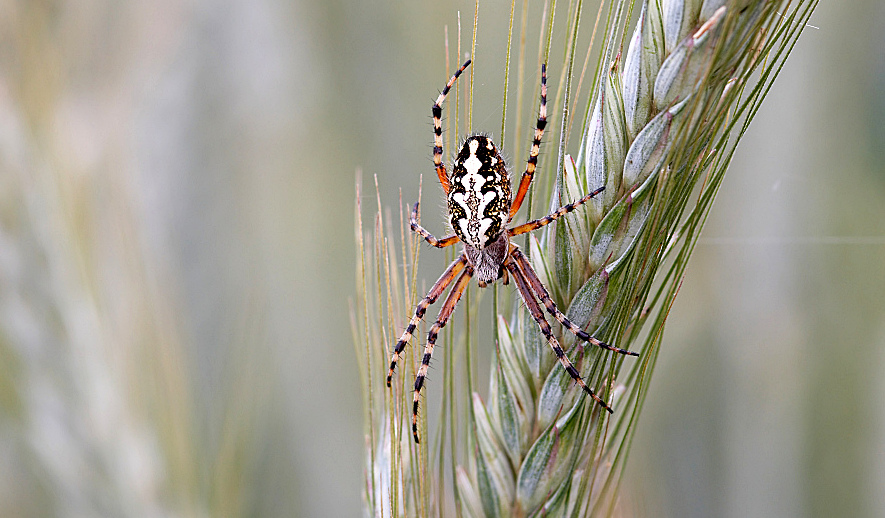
column 480, row 207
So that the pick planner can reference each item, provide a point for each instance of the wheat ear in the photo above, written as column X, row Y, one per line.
column 667, row 110
column 654, row 132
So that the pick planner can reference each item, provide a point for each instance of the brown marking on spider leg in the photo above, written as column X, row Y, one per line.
column 444, row 280
column 526, row 268
column 417, row 228
column 437, row 130
column 546, row 220
column 526, row 293
column 444, row 314
column 529, row 173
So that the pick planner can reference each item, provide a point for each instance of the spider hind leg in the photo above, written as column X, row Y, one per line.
column 538, row 287
column 526, row 293
column 445, row 313
column 438, row 288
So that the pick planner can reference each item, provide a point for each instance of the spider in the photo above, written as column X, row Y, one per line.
column 480, row 207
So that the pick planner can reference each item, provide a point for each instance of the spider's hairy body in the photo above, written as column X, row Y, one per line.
column 480, row 208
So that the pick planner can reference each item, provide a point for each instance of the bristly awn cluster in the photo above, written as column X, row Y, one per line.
column 480, row 208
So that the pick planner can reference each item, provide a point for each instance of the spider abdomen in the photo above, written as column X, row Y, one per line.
column 479, row 201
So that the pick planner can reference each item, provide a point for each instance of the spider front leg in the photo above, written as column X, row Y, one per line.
column 444, row 280
column 416, row 227
column 436, row 109
column 529, row 173
column 526, row 293
column 529, row 273
column 444, row 314
column 546, row 220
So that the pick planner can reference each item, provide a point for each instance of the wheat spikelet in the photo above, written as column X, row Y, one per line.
column 660, row 130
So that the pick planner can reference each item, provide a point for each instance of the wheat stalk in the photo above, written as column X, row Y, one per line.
column 661, row 127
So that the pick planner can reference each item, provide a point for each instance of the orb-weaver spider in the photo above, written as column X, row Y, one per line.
column 480, row 207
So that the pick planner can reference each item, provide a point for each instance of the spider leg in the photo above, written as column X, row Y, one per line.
column 546, row 220
column 416, row 227
column 526, row 180
column 444, row 314
column 526, row 293
column 444, row 280
column 529, row 273
column 437, row 130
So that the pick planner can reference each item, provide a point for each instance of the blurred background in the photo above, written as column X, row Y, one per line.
column 177, row 259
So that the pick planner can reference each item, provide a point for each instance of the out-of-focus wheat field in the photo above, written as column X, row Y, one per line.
column 177, row 259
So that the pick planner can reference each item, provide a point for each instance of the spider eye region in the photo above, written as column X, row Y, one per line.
column 479, row 200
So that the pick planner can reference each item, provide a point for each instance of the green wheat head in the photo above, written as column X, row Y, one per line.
column 676, row 86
